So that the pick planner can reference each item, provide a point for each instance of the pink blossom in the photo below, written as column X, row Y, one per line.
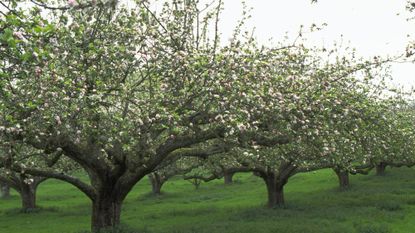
column 58, row 120
column 71, row 2
column 38, row 71
column 19, row 35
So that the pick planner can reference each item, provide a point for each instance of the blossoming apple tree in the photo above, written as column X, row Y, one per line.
column 117, row 88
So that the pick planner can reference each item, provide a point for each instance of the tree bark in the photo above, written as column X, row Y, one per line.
column 380, row 169
column 4, row 191
column 228, row 177
column 343, row 177
column 280, row 201
column 275, row 191
column 272, row 195
column 28, row 196
column 106, row 213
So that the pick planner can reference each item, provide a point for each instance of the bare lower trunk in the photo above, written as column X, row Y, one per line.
column 156, row 187
column 228, row 176
column 156, row 184
column 28, row 196
column 272, row 195
column 106, row 214
column 380, row 169
column 275, row 192
column 4, row 191
column 343, row 177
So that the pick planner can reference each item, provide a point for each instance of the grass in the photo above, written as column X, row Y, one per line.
column 313, row 204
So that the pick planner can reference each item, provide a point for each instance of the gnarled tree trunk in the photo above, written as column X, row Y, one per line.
column 275, row 179
column 28, row 195
column 271, row 191
column 28, row 191
column 380, row 169
column 156, row 183
column 343, row 177
column 106, row 213
column 107, row 201
column 275, row 190
column 26, row 186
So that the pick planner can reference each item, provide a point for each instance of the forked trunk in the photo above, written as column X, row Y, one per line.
column 380, row 169
column 156, row 188
column 343, row 177
column 156, row 184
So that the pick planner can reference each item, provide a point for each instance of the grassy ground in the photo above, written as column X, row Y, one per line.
column 314, row 204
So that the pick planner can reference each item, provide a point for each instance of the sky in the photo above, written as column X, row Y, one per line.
column 373, row 27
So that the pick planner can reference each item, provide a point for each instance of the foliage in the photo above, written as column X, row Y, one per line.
column 124, row 91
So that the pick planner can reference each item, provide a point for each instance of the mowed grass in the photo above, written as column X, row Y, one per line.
column 313, row 204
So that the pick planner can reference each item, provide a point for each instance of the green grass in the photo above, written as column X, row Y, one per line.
column 313, row 204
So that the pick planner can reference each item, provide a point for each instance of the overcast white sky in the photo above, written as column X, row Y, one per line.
column 373, row 27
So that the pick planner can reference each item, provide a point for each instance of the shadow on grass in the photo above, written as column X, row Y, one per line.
column 123, row 228
column 40, row 209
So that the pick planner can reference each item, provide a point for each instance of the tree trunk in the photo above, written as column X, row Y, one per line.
column 4, row 191
column 28, row 196
column 272, row 194
column 380, row 169
column 343, row 177
column 156, row 183
column 279, row 195
column 275, row 191
column 106, row 213
column 228, row 176
column 197, row 183
column 156, row 188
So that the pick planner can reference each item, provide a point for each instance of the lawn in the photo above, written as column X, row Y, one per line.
column 314, row 204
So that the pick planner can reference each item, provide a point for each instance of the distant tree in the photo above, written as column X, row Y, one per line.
column 181, row 162
column 26, row 186
column 4, row 191
column 216, row 167
column 308, row 114
column 200, row 174
column 386, row 138
column 14, row 158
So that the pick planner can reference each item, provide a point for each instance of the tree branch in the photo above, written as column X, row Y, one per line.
column 84, row 187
